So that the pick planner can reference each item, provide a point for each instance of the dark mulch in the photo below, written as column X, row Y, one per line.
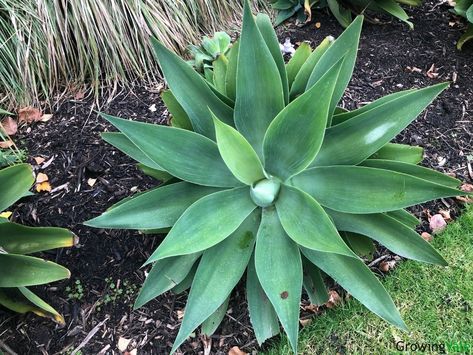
column 71, row 139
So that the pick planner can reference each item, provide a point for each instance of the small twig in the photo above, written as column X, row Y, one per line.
column 89, row 336
column 381, row 258
column 7, row 349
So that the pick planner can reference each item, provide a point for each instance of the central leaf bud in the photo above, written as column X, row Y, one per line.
column 265, row 192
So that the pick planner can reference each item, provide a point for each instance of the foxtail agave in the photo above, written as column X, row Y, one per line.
column 272, row 179
column 18, row 270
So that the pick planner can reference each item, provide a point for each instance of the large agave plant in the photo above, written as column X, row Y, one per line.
column 272, row 180
column 18, row 271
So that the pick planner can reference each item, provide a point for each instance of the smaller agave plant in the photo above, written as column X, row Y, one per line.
column 270, row 179
column 18, row 270
column 465, row 8
column 210, row 50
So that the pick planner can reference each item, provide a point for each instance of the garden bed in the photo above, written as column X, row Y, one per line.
column 87, row 176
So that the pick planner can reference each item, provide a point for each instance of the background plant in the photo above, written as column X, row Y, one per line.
column 465, row 8
column 19, row 270
column 9, row 152
column 277, row 181
column 49, row 46
column 342, row 10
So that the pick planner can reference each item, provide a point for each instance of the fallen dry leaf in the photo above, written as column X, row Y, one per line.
column 91, row 182
column 153, row 108
column 305, row 322
column 236, row 351
column 29, row 115
column 467, row 187
column 385, row 266
column 333, row 300
column 41, row 177
column 427, row 236
column 123, row 344
column 437, row 223
column 6, row 214
column 44, row 186
column 446, row 215
column 318, row 25
column 46, row 117
column 432, row 72
column 6, row 144
column 180, row 314
column 39, row 160
column 414, row 69
column 9, row 125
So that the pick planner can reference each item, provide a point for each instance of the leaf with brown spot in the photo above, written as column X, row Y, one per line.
column 284, row 295
column 29, row 114
column 9, row 126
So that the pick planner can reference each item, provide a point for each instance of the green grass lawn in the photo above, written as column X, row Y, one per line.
column 436, row 304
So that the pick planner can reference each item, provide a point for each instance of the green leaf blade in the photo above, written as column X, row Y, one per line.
column 15, row 181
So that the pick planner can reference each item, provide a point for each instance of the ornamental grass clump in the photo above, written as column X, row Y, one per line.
column 272, row 182
column 18, row 270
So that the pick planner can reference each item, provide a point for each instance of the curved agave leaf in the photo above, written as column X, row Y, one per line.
column 360, row 244
column 142, row 212
column 184, row 154
column 15, row 181
column 358, row 189
column 342, row 14
column 219, row 270
column 179, row 117
column 394, row 235
column 301, row 125
column 263, row 22
column 355, row 277
column 230, row 78
column 182, row 80
column 295, row 64
column 165, row 275
column 194, row 231
column 394, row 9
column 237, row 153
column 262, row 315
column 211, row 324
column 279, row 269
column 122, row 143
column 404, row 217
column 18, row 239
column 306, row 222
column 20, row 270
column 368, row 132
column 314, row 283
column 159, row 175
column 22, row 300
column 400, row 152
column 187, row 282
column 413, row 170
column 260, row 94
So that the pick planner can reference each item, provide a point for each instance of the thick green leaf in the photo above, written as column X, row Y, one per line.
column 260, row 94
column 187, row 282
column 165, row 275
column 302, row 77
column 230, row 79
column 345, row 116
column 20, row 270
column 154, row 209
column 179, row 117
column 15, row 181
column 400, row 152
column 394, row 235
column 345, row 46
column 206, row 223
column 266, row 29
column 22, row 300
column 211, row 324
column 191, row 91
column 122, row 143
column 360, row 244
column 314, row 283
column 262, row 315
column 238, row 154
column 355, row 277
column 413, row 170
column 279, row 269
column 159, row 175
column 301, row 126
column 404, row 217
column 283, row 15
column 394, row 9
column 467, row 36
column 184, row 154
column 359, row 189
column 342, row 14
column 295, row 64
column 219, row 270
column 220, row 72
column 18, row 239
column 306, row 222
column 366, row 133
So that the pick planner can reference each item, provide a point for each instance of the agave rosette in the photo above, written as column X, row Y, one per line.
column 267, row 177
column 18, row 269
